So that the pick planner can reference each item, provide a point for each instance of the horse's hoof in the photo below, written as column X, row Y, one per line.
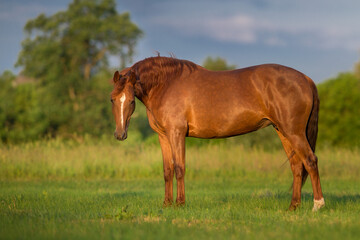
column 167, row 203
column 293, row 206
column 318, row 204
column 180, row 203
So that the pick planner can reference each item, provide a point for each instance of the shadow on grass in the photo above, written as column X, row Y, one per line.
column 209, row 196
column 340, row 201
column 307, row 196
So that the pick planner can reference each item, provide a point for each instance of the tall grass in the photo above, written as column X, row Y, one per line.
column 116, row 191
column 57, row 159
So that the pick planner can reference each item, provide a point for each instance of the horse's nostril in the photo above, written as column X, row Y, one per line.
column 120, row 136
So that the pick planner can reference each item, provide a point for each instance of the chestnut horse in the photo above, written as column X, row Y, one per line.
column 183, row 99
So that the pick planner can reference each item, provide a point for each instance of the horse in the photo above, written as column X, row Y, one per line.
column 183, row 99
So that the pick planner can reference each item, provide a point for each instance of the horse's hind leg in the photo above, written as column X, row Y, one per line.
column 309, row 160
column 297, row 168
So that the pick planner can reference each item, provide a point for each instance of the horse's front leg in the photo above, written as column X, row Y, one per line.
column 168, row 165
column 177, row 142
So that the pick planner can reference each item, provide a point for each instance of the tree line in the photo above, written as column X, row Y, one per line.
column 63, row 88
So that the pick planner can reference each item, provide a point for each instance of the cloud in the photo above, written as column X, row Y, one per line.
column 339, row 37
column 240, row 28
column 246, row 29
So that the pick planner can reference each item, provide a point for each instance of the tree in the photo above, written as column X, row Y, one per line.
column 339, row 121
column 217, row 64
column 357, row 69
column 66, row 52
column 21, row 117
column 77, row 41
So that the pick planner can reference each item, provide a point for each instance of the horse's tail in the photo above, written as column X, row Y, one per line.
column 312, row 125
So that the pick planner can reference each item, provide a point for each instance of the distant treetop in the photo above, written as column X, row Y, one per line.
column 217, row 64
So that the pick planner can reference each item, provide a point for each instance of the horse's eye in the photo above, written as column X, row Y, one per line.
column 112, row 100
column 132, row 102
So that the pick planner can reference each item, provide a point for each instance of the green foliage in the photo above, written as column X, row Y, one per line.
column 21, row 116
column 76, row 43
column 339, row 122
column 67, row 55
column 66, row 50
column 217, row 64
column 357, row 69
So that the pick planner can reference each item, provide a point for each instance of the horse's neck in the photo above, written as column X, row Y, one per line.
column 149, row 96
column 142, row 95
column 145, row 93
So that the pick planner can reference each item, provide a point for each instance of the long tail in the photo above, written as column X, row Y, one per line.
column 312, row 126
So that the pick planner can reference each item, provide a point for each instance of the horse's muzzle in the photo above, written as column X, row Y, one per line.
column 121, row 136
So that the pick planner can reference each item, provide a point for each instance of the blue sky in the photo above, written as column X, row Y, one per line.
column 318, row 37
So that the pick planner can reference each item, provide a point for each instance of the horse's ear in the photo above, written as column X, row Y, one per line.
column 116, row 77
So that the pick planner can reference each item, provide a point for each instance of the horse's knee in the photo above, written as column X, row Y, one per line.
column 179, row 171
column 168, row 173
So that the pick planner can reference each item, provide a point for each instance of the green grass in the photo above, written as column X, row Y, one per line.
column 115, row 191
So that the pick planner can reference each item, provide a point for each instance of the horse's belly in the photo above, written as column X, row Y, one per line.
column 222, row 127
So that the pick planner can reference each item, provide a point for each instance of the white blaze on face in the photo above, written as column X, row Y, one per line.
column 122, row 100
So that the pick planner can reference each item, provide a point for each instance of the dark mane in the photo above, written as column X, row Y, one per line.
column 154, row 71
column 157, row 71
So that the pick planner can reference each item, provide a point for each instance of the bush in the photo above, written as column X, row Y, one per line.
column 339, row 122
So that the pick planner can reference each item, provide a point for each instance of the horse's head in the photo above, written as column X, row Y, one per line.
column 123, row 101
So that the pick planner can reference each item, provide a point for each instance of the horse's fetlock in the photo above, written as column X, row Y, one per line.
column 318, row 204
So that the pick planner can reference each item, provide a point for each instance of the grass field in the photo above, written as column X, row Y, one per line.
column 82, row 190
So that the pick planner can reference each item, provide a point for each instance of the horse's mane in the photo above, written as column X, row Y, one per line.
column 157, row 71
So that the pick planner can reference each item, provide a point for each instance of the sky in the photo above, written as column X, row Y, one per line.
column 317, row 37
